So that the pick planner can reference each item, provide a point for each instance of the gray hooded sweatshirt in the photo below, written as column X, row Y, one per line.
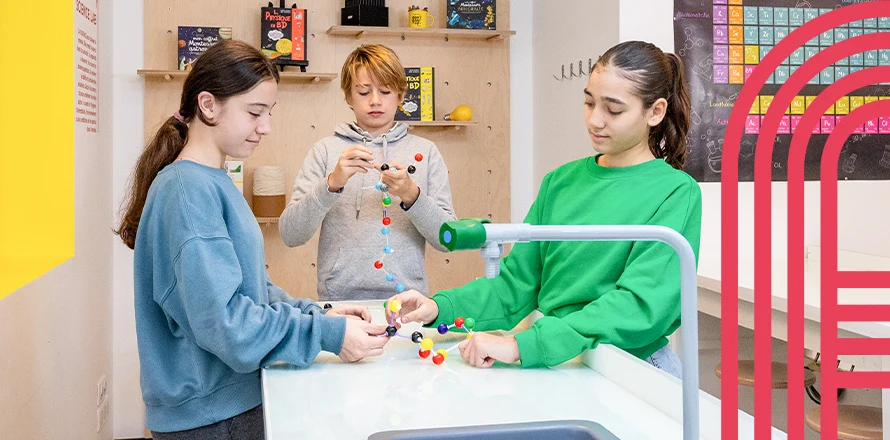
column 351, row 221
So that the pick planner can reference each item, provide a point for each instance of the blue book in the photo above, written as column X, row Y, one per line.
column 194, row 40
column 471, row 14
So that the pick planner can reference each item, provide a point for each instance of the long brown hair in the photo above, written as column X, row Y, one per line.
column 227, row 68
column 655, row 75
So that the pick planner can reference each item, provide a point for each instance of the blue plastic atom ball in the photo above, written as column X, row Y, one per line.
column 443, row 328
column 400, row 288
column 390, row 277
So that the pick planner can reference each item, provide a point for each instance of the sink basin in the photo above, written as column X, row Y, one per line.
column 553, row 429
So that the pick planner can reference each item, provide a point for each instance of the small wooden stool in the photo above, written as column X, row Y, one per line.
column 854, row 422
column 780, row 375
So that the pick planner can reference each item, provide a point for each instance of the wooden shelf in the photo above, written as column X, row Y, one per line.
column 445, row 124
column 267, row 220
column 379, row 31
column 170, row 75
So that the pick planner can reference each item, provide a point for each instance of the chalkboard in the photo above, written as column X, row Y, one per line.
column 722, row 41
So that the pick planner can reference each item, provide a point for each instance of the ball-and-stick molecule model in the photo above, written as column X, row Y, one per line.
column 426, row 344
column 387, row 221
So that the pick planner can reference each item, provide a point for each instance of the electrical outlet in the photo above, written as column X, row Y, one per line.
column 101, row 390
column 101, row 415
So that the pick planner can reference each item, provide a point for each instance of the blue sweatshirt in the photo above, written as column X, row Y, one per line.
column 207, row 316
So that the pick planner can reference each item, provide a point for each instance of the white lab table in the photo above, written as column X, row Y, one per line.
column 399, row 390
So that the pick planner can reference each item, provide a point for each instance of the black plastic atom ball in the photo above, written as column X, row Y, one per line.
column 391, row 331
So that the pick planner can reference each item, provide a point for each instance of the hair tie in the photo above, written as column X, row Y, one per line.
column 178, row 116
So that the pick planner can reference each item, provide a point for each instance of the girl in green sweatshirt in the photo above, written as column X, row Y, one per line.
column 627, row 294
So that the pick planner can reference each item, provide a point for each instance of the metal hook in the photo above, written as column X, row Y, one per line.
column 563, row 74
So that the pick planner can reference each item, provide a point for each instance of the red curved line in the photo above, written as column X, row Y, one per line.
column 829, row 276
column 729, row 208
column 796, row 159
column 763, row 228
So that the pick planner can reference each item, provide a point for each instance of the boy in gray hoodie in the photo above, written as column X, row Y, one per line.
column 335, row 189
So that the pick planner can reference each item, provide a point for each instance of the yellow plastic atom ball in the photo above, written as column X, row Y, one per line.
column 395, row 306
column 426, row 343
column 442, row 352
column 469, row 335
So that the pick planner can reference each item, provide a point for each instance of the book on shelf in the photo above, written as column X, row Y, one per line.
column 283, row 36
column 419, row 102
column 195, row 40
column 471, row 14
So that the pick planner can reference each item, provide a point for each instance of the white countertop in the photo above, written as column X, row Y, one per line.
column 399, row 390
column 709, row 278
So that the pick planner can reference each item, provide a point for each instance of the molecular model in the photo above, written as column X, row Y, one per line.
column 426, row 344
column 387, row 200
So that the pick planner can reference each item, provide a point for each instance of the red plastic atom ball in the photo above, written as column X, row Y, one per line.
column 378, row 264
column 386, row 221
column 458, row 322
column 424, row 353
column 438, row 359
column 418, row 157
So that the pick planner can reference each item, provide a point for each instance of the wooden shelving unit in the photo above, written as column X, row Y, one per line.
column 267, row 220
column 375, row 31
column 170, row 75
column 443, row 124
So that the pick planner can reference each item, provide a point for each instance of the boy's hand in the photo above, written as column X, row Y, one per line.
column 351, row 311
column 356, row 159
column 416, row 307
column 400, row 183
column 483, row 349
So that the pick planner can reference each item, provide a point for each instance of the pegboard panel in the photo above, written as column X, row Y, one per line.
column 471, row 72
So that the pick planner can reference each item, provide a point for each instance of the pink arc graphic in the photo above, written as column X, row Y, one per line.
column 831, row 278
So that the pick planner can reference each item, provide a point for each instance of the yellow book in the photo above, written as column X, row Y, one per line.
column 427, row 101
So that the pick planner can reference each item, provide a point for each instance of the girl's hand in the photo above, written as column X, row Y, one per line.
column 483, row 349
column 351, row 311
column 362, row 340
column 416, row 307
column 400, row 183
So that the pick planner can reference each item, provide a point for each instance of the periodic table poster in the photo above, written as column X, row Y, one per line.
column 722, row 41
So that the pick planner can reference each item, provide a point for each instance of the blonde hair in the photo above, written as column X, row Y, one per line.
column 381, row 64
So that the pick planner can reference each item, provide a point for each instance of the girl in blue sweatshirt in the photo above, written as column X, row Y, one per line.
column 207, row 315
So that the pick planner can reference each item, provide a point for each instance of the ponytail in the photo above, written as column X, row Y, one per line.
column 676, row 120
column 161, row 151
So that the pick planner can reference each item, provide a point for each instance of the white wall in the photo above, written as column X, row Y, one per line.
column 129, row 411
column 522, row 109
column 576, row 30
column 56, row 332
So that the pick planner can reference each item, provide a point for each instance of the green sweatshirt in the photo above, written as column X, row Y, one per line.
column 622, row 293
